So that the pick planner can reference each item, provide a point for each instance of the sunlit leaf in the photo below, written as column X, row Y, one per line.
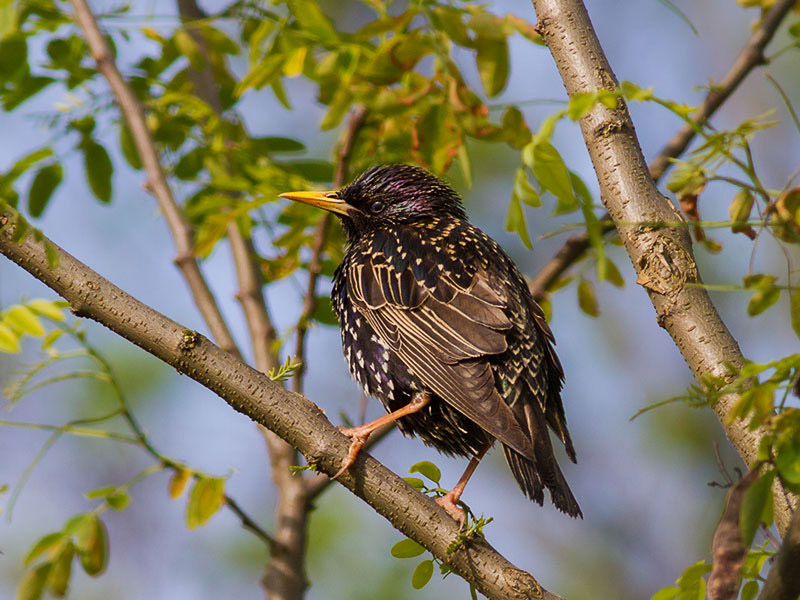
column 178, row 481
column 422, row 574
column 428, row 469
column 205, row 499
column 44, row 184
column 493, row 64
column 587, row 299
column 92, row 544
column 24, row 320
column 58, row 577
column 33, row 583
column 756, row 507
column 9, row 342
column 407, row 548
column 46, row 308
column 98, row 169
column 45, row 543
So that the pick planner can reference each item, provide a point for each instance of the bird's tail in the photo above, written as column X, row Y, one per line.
column 533, row 476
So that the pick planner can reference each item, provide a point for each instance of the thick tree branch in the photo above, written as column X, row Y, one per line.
column 662, row 256
column 289, row 415
column 320, row 235
column 133, row 113
column 783, row 581
column 751, row 56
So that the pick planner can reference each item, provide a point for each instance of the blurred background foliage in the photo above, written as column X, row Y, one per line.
column 467, row 91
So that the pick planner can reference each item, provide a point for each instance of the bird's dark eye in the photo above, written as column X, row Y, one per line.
column 376, row 207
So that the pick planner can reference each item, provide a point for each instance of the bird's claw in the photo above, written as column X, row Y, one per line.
column 452, row 508
column 359, row 439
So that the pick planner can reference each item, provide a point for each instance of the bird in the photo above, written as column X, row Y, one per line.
column 439, row 325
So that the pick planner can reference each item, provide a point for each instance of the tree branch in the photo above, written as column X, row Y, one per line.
column 289, row 415
column 783, row 581
column 661, row 256
column 320, row 234
column 751, row 56
column 133, row 113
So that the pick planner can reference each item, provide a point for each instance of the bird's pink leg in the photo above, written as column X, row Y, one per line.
column 449, row 501
column 360, row 434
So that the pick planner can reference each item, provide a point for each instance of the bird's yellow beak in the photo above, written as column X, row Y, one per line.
column 325, row 200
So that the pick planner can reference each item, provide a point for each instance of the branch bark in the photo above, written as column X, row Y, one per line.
column 783, row 581
column 751, row 56
column 291, row 416
column 661, row 256
column 180, row 229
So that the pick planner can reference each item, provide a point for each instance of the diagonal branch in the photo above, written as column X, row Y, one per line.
column 133, row 113
column 291, row 416
column 662, row 256
column 750, row 57
column 320, row 234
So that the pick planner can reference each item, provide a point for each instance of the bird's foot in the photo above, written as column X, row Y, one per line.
column 359, row 435
column 449, row 502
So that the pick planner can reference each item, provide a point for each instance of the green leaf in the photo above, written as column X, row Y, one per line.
column 587, row 299
column 787, row 459
column 91, row 543
column 515, row 222
column 128, row 147
column 24, row 163
column 44, row 184
column 493, row 64
column 427, row 469
column 205, row 499
column 13, row 56
column 191, row 163
column 98, row 169
column 317, row 171
column 422, row 574
column 756, row 507
column 58, row 577
column 667, row 593
column 580, row 104
column 9, row 342
column 32, row 585
column 415, row 482
column 342, row 100
column 45, row 543
column 312, row 21
column 407, row 548
column 524, row 191
column 794, row 304
column 23, row 320
column 188, row 47
column 633, row 92
column 613, row 276
column 100, row 492
column 323, row 312
column 749, row 590
column 266, row 145
column 550, row 171
column 46, row 308
column 762, row 300
column 118, row 500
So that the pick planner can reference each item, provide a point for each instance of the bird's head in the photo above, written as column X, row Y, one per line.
column 386, row 194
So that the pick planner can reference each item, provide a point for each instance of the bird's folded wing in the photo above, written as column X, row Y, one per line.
column 444, row 335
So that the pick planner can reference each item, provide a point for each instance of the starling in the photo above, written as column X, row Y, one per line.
column 438, row 324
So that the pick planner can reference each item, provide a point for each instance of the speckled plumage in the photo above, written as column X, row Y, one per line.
column 428, row 302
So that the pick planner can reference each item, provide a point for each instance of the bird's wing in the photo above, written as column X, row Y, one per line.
column 443, row 330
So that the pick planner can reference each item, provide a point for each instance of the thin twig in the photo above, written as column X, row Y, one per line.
column 133, row 113
column 751, row 56
column 320, row 235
